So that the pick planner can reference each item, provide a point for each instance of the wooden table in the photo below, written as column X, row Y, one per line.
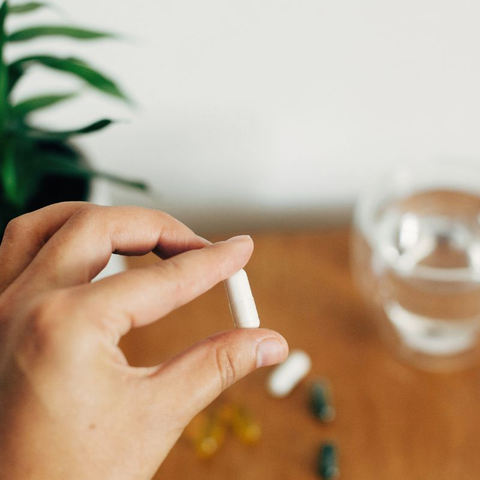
column 393, row 422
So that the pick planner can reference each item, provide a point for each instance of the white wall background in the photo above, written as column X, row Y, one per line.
column 258, row 112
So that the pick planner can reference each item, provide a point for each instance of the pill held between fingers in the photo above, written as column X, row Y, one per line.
column 240, row 299
column 289, row 373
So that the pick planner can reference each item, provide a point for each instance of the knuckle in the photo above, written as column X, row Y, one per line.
column 45, row 323
column 16, row 228
column 43, row 313
column 228, row 366
column 88, row 214
column 165, row 217
column 46, row 336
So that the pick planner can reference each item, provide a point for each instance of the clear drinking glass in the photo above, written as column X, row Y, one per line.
column 416, row 252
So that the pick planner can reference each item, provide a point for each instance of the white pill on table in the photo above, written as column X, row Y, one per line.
column 288, row 374
column 240, row 299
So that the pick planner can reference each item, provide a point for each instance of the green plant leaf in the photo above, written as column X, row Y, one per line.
column 79, row 61
column 36, row 103
column 56, row 30
column 14, row 75
column 47, row 135
column 30, row 174
column 4, row 9
column 8, row 172
column 27, row 188
column 74, row 67
column 26, row 7
column 53, row 164
column 4, row 74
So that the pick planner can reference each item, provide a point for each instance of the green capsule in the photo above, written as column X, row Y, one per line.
column 327, row 466
column 321, row 401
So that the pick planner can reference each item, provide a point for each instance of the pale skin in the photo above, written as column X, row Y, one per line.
column 70, row 405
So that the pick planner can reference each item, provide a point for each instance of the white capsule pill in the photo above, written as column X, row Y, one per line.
column 240, row 299
column 289, row 373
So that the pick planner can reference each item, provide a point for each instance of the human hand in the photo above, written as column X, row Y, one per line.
column 70, row 405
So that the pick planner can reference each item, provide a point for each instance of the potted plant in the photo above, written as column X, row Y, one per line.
column 40, row 166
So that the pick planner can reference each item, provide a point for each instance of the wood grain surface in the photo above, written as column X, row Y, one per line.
column 393, row 422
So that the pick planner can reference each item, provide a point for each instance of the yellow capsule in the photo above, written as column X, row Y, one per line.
column 226, row 413
column 194, row 429
column 244, row 426
column 210, row 437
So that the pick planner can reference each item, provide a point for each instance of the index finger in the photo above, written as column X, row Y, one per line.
column 141, row 296
column 81, row 248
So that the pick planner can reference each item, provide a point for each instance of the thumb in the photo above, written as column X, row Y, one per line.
column 190, row 381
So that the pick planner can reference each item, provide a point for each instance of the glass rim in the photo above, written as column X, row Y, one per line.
column 404, row 180
column 398, row 182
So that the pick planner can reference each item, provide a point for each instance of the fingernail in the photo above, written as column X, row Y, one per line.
column 239, row 238
column 270, row 352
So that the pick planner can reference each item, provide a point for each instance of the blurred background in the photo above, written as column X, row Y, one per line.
column 275, row 113
column 268, row 118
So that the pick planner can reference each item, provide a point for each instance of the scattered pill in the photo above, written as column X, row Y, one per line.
column 209, row 436
column 327, row 467
column 225, row 413
column 240, row 299
column 244, row 426
column 289, row 373
column 207, row 431
column 195, row 427
column 321, row 401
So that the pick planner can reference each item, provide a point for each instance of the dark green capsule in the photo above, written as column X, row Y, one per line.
column 327, row 466
column 321, row 401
